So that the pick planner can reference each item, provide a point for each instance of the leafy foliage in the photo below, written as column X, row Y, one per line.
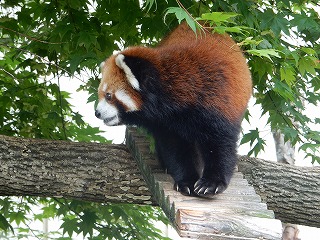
column 44, row 42
column 90, row 220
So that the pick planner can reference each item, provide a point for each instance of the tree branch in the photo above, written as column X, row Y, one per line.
column 108, row 173
column 292, row 192
column 86, row 171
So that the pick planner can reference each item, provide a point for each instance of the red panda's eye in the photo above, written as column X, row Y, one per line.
column 108, row 96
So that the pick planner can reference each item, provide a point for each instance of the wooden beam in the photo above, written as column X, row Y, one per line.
column 238, row 213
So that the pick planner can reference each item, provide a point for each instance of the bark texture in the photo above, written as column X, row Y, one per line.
column 291, row 192
column 108, row 173
column 86, row 171
column 285, row 154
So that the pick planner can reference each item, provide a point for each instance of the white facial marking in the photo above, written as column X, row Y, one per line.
column 104, row 87
column 109, row 113
column 131, row 78
column 102, row 65
column 123, row 97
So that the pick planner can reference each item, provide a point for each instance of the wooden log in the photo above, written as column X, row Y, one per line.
column 292, row 192
column 84, row 171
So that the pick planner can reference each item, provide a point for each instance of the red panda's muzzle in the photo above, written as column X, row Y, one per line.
column 108, row 113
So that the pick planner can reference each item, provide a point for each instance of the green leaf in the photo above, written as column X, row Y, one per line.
column 224, row 29
column 192, row 24
column 219, row 17
column 249, row 41
column 287, row 73
column 307, row 65
column 179, row 12
column 317, row 120
column 149, row 4
column 253, row 137
column 86, row 39
column 247, row 138
column 247, row 115
column 181, row 15
column 77, row 59
column 267, row 53
column 309, row 51
column 277, row 22
column 314, row 136
column 19, row 217
column 70, row 226
column 284, row 90
column 4, row 224
column 87, row 225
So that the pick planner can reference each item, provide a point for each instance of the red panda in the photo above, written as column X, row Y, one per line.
column 190, row 92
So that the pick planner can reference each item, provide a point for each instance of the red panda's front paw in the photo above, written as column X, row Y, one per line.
column 208, row 188
column 184, row 188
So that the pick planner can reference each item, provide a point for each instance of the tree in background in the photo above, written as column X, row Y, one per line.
column 43, row 42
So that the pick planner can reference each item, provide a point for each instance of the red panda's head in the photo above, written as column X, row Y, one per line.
column 118, row 91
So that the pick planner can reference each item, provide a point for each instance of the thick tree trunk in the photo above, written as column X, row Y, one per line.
column 284, row 150
column 86, row 171
column 100, row 172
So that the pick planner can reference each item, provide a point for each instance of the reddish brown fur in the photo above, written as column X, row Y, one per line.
column 115, row 78
column 224, row 84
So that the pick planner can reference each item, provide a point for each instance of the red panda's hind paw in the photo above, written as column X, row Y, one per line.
column 208, row 188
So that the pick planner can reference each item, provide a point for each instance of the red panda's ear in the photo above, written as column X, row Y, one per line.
column 130, row 76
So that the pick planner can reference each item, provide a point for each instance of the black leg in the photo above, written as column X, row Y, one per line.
column 219, row 161
column 178, row 157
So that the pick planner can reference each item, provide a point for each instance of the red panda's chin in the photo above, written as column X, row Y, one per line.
column 112, row 121
column 114, row 124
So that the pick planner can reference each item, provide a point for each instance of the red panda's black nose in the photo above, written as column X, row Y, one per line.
column 98, row 114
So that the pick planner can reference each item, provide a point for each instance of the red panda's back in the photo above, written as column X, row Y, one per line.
column 205, row 69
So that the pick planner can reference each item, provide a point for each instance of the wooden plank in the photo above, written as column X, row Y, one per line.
column 228, row 195
column 225, row 224
column 236, row 179
column 231, row 190
column 237, row 213
column 157, row 192
column 248, row 209
column 212, row 236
